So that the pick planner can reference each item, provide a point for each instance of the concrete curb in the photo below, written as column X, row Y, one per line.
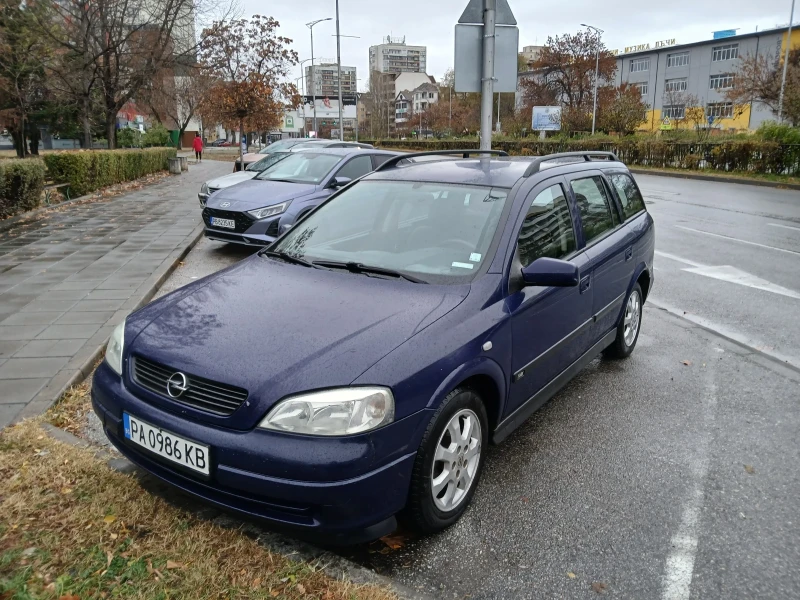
column 717, row 178
column 82, row 364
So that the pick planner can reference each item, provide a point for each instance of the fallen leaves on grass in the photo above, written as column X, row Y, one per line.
column 69, row 413
column 160, row 549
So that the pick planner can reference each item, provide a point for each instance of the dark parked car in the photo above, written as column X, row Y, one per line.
column 360, row 365
column 257, row 211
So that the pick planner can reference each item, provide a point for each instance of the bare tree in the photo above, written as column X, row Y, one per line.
column 757, row 79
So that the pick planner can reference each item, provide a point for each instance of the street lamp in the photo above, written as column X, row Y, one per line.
column 313, row 72
column 598, row 32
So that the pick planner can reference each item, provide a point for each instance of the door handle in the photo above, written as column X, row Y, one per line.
column 585, row 283
column 629, row 253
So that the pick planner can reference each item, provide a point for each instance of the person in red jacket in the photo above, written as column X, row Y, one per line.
column 197, row 144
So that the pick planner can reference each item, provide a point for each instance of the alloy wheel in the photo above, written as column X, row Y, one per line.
column 456, row 460
column 632, row 316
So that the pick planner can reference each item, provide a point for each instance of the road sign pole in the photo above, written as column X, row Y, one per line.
column 487, row 81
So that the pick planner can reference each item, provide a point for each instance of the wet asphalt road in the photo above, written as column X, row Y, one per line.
column 647, row 478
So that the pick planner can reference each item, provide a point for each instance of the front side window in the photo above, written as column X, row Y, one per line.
column 437, row 232
column 303, row 167
column 594, row 206
column 629, row 194
column 356, row 168
column 547, row 228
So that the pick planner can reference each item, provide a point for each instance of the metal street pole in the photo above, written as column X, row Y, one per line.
column 487, row 91
column 598, row 33
column 450, row 118
column 785, row 64
column 314, row 71
column 498, row 112
column 339, row 71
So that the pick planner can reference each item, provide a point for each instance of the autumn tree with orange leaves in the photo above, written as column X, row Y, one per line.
column 249, row 63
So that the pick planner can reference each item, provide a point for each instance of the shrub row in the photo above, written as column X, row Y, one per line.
column 87, row 171
column 21, row 184
column 740, row 155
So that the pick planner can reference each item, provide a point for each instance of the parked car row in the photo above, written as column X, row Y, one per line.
column 408, row 310
column 293, row 145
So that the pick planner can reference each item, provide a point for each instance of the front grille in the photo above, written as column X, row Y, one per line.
column 213, row 397
column 242, row 221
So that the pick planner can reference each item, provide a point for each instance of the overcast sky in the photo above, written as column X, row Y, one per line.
column 430, row 23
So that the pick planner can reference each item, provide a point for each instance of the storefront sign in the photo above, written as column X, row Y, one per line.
column 643, row 47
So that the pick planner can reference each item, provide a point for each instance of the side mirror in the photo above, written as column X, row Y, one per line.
column 551, row 272
column 338, row 182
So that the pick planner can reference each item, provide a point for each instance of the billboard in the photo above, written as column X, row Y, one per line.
column 546, row 118
column 724, row 33
column 328, row 108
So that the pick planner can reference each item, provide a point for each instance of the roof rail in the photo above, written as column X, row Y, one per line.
column 464, row 154
column 535, row 166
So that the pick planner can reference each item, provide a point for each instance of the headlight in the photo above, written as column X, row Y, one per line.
column 204, row 188
column 269, row 211
column 344, row 411
column 114, row 348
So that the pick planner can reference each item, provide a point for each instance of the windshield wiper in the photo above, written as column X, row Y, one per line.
column 288, row 258
column 355, row 267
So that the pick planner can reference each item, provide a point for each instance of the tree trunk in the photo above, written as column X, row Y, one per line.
column 34, row 138
column 111, row 131
column 241, row 147
column 87, row 126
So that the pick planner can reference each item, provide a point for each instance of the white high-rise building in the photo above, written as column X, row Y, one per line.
column 392, row 55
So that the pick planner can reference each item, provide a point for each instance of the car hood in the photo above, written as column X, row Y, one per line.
column 230, row 179
column 276, row 329
column 252, row 157
column 256, row 193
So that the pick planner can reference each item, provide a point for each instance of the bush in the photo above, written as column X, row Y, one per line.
column 157, row 135
column 21, row 185
column 86, row 171
column 771, row 131
column 129, row 138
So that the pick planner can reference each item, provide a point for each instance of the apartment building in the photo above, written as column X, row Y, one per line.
column 668, row 74
column 392, row 55
column 326, row 80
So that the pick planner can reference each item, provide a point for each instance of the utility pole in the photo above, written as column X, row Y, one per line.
column 785, row 64
column 339, row 71
column 498, row 112
column 487, row 81
column 313, row 70
column 450, row 118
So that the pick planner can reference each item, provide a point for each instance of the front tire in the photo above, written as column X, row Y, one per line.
column 629, row 326
column 449, row 462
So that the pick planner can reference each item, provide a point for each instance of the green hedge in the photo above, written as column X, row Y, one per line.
column 748, row 156
column 21, row 184
column 87, row 171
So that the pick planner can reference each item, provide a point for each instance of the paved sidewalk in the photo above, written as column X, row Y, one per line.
column 72, row 274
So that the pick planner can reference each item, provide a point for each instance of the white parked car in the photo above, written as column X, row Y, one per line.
column 211, row 186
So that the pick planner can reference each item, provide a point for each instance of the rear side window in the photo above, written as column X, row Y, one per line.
column 379, row 159
column 594, row 206
column 629, row 194
column 356, row 168
column 547, row 228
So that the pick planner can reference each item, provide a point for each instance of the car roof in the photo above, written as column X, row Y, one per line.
column 494, row 171
column 347, row 151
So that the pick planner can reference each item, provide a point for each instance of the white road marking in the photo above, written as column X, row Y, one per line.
column 726, row 332
column 784, row 226
column 731, row 275
column 734, row 275
column 685, row 261
column 679, row 568
column 733, row 239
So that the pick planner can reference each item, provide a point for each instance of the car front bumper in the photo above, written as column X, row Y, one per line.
column 358, row 508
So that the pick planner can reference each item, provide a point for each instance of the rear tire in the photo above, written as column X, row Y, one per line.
column 629, row 326
column 449, row 462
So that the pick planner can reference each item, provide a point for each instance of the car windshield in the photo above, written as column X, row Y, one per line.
column 437, row 232
column 316, row 144
column 267, row 162
column 278, row 146
column 302, row 168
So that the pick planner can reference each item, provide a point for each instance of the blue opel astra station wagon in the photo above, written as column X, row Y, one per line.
column 359, row 366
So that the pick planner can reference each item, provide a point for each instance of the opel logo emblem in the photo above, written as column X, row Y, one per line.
column 225, row 204
column 177, row 385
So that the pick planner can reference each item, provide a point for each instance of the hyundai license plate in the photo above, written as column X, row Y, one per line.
column 227, row 223
column 172, row 447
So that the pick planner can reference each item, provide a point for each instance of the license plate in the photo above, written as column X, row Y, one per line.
column 172, row 447
column 217, row 222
